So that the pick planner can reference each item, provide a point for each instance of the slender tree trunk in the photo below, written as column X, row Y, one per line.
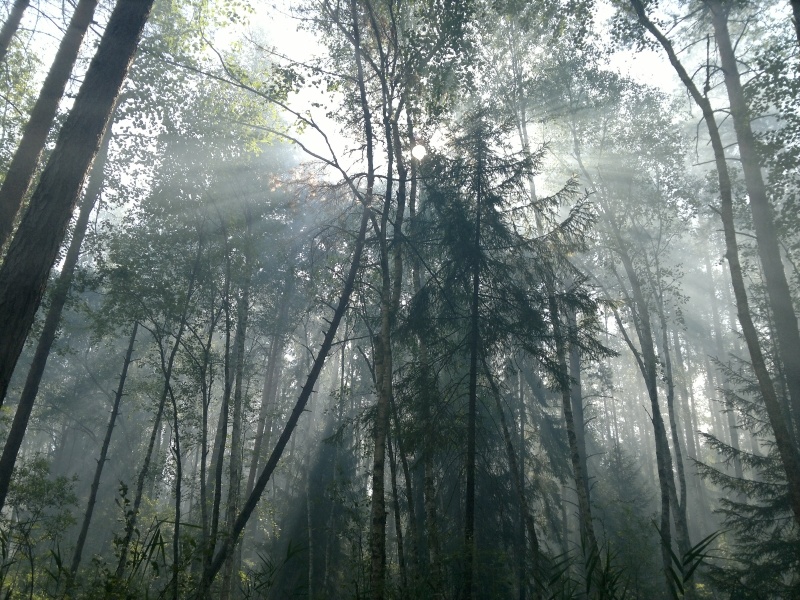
column 23, row 165
column 780, row 299
column 786, row 450
column 578, row 467
column 130, row 525
column 689, row 427
column 647, row 362
column 271, row 379
column 247, row 509
column 398, row 522
column 51, row 322
column 430, row 386
column 472, row 407
column 216, row 468
column 176, row 530
column 679, row 500
column 717, row 324
column 33, row 250
column 11, row 26
column 517, row 477
column 412, row 513
column 87, row 516
column 235, row 467
column 576, row 397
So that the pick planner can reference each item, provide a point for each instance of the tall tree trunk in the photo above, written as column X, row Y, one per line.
column 412, row 513
column 578, row 467
column 430, row 387
column 235, row 467
column 23, row 165
column 689, row 428
column 678, row 498
column 11, row 25
column 576, row 397
column 717, row 324
column 398, row 522
column 247, row 509
column 175, row 448
column 780, row 299
column 786, row 450
column 472, row 407
column 517, row 476
column 87, row 516
column 271, row 379
column 33, row 250
column 216, row 467
column 51, row 322
column 167, row 366
column 647, row 362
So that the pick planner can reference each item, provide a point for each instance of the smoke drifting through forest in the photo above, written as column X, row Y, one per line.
column 276, row 354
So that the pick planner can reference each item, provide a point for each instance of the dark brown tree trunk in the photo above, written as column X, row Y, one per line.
column 786, row 450
column 678, row 496
column 87, row 516
column 50, row 328
column 796, row 17
column 11, row 26
column 23, row 165
column 33, row 250
column 247, row 509
column 433, row 551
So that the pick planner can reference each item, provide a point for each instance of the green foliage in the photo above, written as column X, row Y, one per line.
column 40, row 511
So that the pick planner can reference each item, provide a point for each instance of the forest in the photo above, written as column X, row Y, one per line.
column 400, row 299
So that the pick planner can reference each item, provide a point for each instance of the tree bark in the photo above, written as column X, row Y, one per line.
column 50, row 328
column 167, row 367
column 647, row 362
column 271, row 379
column 517, row 476
column 398, row 522
column 33, row 250
column 472, row 407
column 235, row 467
column 588, row 537
column 87, row 516
column 786, row 450
column 26, row 158
column 11, row 26
column 717, row 324
column 247, row 509
column 780, row 299
column 176, row 528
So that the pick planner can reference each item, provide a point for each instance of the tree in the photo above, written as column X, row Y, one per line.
column 780, row 427
column 20, row 172
column 11, row 25
column 33, row 250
